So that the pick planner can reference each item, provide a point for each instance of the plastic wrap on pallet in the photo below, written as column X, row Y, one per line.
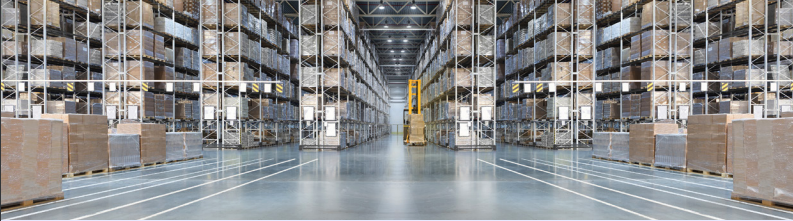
column 87, row 138
column 152, row 140
column 706, row 28
column 31, row 159
column 670, row 150
column 743, row 12
column 174, row 146
column 707, row 141
column 601, row 145
column 761, row 166
column 734, row 107
column 642, row 140
column 124, row 150
column 193, row 144
column 46, row 48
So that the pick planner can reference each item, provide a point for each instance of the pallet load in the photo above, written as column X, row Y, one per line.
column 707, row 142
column 642, row 140
column 193, row 145
column 620, row 148
column 124, row 150
column 88, row 142
column 670, row 151
column 152, row 141
column 601, row 147
column 762, row 167
column 31, row 159
column 174, row 146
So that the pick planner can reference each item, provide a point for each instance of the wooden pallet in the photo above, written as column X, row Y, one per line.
column 27, row 203
column 152, row 164
column 725, row 175
column 642, row 164
column 124, row 168
column 768, row 203
column 87, row 173
column 670, row 168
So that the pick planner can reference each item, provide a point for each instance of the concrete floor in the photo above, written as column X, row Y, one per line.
column 386, row 180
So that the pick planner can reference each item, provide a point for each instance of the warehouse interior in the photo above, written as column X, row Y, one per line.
column 396, row 109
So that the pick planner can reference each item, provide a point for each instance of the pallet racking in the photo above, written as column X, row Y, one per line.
column 342, row 102
column 458, row 70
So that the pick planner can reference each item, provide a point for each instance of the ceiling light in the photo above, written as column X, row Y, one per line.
column 382, row 7
column 389, row 40
column 403, row 51
column 405, row 40
column 386, row 26
column 409, row 26
column 392, row 51
column 413, row 7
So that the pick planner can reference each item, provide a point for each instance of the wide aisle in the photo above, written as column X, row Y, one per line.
column 386, row 180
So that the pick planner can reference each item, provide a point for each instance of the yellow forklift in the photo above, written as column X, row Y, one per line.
column 412, row 117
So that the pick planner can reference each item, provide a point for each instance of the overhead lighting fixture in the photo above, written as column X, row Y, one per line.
column 403, row 51
column 413, row 7
column 392, row 51
column 386, row 26
column 405, row 40
column 389, row 40
column 409, row 26
column 382, row 7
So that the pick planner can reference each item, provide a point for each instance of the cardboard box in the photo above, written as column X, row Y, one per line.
column 124, row 150
column 642, row 140
column 707, row 141
column 152, row 140
column 87, row 139
column 762, row 159
column 31, row 159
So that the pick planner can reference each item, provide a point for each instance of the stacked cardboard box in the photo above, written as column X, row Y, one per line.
column 193, row 145
column 642, row 140
column 88, row 141
column 707, row 141
column 416, row 128
column 31, row 159
column 174, row 146
column 601, row 145
column 152, row 140
column 762, row 167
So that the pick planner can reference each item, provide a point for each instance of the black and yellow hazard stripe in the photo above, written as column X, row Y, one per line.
column 650, row 86
column 723, row 86
column 515, row 88
column 279, row 88
column 144, row 86
column 70, row 87
column 539, row 87
column 255, row 88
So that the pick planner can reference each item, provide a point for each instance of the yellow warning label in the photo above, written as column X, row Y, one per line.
column 279, row 88
column 650, row 86
column 539, row 87
column 255, row 88
column 515, row 90
column 70, row 87
column 723, row 86
column 144, row 86
column 2, row 86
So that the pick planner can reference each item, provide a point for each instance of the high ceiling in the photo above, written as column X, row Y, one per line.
column 398, row 28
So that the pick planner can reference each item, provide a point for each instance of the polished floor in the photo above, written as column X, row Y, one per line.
column 386, row 180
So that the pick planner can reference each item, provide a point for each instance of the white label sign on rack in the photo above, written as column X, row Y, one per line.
column 683, row 112
column 37, row 110
column 112, row 112
column 209, row 112
column 758, row 111
column 564, row 113
column 772, row 87
column 243, row 87
column 9, row 108
column 464, row 131
column 308, row 113
column 330, row 113
column 132, row 112
column 551, row 87
column 196, row 87
column 786, row 108
column 626, row 87
column 586, row 113
column 527, row 88
column 663, row 112
column 268, row 88
column 330, row 129
column 598, row 87
column 111, row 87
column 231, row 113
column 168, row 87
column 21, row 86
column 91, row 86
column 703, row 86
column 682, row 87
column 465, row 113
column 487, row 113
